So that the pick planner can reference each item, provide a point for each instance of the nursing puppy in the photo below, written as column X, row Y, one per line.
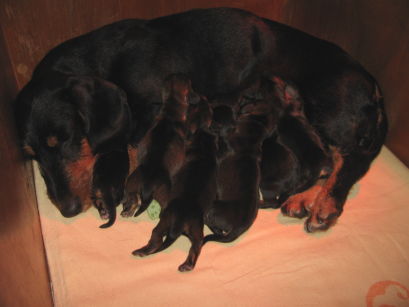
column 193, row 192
column 162, row 151
column 294, row 157
column 238, row 175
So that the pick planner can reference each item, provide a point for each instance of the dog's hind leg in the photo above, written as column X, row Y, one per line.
column 195, row 235
column 155, row 242
column 330, row 201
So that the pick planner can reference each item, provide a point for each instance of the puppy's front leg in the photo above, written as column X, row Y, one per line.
column 132, row 190
column 110, row 172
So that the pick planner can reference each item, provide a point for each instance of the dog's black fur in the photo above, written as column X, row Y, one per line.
column 294, row 158
column 221, row 50
column 238, row 175
column 162, row 151
column 192, row 194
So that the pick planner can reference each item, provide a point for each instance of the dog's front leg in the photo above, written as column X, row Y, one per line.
column 110, row 172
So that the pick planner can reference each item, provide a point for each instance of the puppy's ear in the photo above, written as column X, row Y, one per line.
column 104, row 110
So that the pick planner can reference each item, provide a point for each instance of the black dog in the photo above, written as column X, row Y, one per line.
column 162, row 151
column 238, row 176
column 75, row 109
column 192, row 194
column 294, row 158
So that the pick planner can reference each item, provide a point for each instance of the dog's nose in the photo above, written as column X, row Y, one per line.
column 71, row 208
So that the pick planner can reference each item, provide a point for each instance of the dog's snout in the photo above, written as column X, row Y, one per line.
column 71, row 207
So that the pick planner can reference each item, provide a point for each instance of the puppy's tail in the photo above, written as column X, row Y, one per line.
column 112, row 217
column 230, row 237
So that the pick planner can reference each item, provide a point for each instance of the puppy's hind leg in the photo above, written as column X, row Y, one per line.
column 195, row 236
column 156, row 243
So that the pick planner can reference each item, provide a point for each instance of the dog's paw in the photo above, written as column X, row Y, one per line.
column 100, row 205
column 323, row 215
column 295, row 207
column 299, row 204
column 186, row 267
column 144, row 251
column 139, row 253
column 129, row 206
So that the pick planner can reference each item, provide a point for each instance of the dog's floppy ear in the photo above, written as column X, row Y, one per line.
column 104, row 110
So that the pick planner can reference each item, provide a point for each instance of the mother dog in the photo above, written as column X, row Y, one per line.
column 94, row 95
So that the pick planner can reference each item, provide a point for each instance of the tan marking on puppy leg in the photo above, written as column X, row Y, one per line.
column 133, row 159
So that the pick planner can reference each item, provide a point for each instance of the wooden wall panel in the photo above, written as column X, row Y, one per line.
column 24, row 277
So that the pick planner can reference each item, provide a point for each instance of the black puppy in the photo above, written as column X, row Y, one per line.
column 162, row 151
column 109, row 168
column 238, row 176
column 294, row 158
column 193, row 192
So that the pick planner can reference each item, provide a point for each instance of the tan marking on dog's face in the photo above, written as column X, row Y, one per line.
column 52, row 141
column 80, row 175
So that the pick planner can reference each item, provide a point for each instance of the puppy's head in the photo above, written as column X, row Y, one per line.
column 177, row 94
column 64, row 122
column 199, row 116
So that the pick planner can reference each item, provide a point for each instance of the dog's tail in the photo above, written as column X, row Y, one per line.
column 217, row 238
column 112, row 217
column 223, row 238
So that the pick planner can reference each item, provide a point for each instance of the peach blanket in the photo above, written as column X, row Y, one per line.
column 361, row 261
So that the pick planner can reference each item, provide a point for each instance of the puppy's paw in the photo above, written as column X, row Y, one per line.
column 140, row 253
column 129, row 205
column 186, row 267
column 144, row 251
column 100, row 205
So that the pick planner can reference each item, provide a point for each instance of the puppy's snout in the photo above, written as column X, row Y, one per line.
column 71, row 207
